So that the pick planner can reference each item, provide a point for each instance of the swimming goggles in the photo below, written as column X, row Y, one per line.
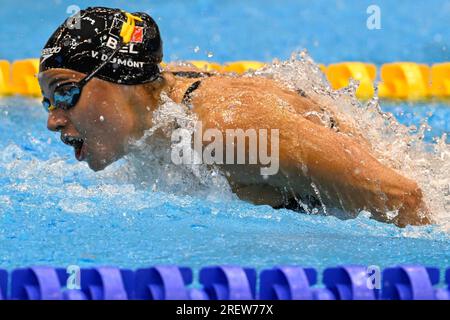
column 67, row 94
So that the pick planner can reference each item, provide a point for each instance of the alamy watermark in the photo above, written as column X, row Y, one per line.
column 232, row 146
column 373, row 280
column 374, row 20
column 74, row 21
column 74, row 277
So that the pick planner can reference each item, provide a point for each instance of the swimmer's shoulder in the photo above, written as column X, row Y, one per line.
column 251, row 90
column 225, row 84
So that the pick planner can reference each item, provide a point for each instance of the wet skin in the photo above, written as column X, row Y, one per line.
column 105, row 117
column 312, row 156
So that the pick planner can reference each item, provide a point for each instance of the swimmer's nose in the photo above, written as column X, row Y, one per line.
column 56, row 120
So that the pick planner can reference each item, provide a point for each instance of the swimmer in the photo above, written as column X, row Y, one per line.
column 101, row 82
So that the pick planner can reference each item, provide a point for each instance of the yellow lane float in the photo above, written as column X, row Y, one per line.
column 339, row 75
column 323, row 68
column 24, row 77
column 242, row 66
column 206, row 65
column 440, row 80
column 405, row 80
column 5, row 88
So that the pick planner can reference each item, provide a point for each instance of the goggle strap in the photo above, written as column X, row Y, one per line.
column 93, row 73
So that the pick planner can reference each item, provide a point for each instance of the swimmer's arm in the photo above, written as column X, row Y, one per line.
column 342, row 169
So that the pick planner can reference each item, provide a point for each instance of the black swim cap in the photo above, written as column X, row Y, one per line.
column 87, row 39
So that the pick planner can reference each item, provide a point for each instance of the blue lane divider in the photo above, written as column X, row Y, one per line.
column 73, row 294
column 447, row 280
column 407, row 282
column 444, row 293
column 37, row 283
column 228, row 283
column 162, row 283
column 3, row 284
column 106, row 283
column 349, row 283
column 287, row 283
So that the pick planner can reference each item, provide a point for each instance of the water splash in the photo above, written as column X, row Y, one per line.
column 395, row 145
column 398, row 146
column 148, row 163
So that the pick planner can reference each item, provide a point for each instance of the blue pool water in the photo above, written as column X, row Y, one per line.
column 55, row 211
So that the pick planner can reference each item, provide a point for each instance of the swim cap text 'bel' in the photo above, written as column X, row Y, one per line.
column 83, row 44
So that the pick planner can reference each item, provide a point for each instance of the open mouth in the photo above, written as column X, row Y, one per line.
column 78, row 145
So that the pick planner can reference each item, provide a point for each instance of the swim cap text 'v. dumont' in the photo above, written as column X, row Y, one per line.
column 84, row 41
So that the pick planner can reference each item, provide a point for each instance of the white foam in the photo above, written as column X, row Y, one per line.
column 394, row 144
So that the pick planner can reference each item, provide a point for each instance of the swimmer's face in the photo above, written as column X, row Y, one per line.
column 99, row 126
